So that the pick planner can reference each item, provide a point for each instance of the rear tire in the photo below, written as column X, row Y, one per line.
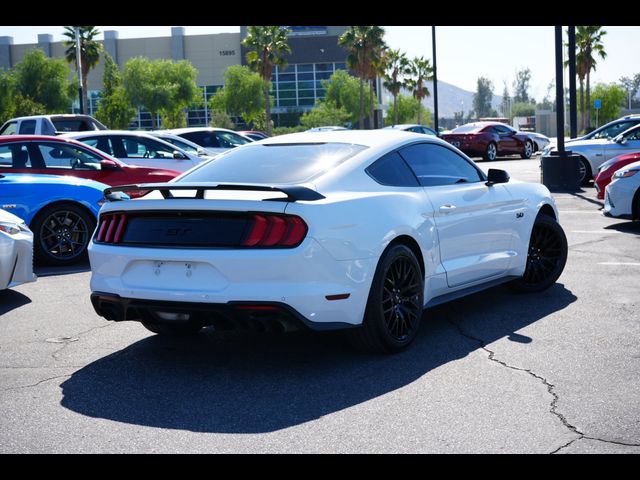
column 584, row 172
column 491, row 152
column 394, row 308
column 546, row 257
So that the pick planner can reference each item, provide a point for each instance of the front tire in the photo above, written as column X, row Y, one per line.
column 491, row 152
column 546, row 256
column 584, row 172
column 394, row 308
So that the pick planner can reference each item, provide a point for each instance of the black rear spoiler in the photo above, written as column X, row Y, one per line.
column 294, row 192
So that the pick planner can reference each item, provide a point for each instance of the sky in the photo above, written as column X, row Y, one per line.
column 463, row 53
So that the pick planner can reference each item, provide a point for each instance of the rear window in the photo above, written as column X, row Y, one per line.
column 274, row 164
column 466, row 128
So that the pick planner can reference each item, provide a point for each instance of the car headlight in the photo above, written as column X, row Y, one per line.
column 11, row 228
column 624, row 173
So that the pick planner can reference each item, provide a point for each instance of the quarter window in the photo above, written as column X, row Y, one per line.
column 391, row 170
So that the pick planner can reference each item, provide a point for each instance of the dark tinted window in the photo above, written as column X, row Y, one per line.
column 28, row 127
column 392, row 170
column 276, row 164
column 437, row 165
column 204, row 139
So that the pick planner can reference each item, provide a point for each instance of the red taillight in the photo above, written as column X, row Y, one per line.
column 275, row 231
column 112, row 228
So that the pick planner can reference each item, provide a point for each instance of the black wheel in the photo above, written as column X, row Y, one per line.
column 635, row 206
column 546, row 257
column 62, row 233
column 394, row 308
column 584, row 171
column 528, row 150
column 491, row 152
column 170, row 328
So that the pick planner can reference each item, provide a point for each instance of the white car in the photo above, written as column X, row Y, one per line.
column 540, row 142
column 16, row 251
column 213, row 140
column 595, row 152
column 140, row 148
column 359, row 230
column 622, row 195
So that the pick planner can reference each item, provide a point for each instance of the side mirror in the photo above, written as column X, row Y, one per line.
column 201, row 152
column 179, row 156
column 109, row 165
column 496, row 176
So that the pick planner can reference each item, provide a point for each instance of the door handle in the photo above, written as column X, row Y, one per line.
column 447, row 208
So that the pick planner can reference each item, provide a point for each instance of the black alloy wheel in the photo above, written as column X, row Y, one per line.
column 394, row 308
column 546, row 256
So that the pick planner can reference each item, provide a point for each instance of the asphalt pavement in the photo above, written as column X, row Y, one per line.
column 495, row 372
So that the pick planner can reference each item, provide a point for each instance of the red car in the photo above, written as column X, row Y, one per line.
column 35, row 154
column 608, row 168
column 489, row 139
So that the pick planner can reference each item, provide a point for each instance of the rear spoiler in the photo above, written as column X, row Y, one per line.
column 294, row 192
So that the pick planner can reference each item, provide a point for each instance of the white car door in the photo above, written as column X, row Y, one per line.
column 475, row 222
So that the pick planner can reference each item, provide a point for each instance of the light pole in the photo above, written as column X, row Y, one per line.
column 79, row 69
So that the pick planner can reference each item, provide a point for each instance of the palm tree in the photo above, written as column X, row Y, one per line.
column 89, row 55
column 588, row 43
column 421, row 72
column 364, row 45
column 397, row 67
column 267, row 46
column 377, row 69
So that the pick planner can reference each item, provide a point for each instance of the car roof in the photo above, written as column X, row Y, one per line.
column 367, row 138
column 177, row 131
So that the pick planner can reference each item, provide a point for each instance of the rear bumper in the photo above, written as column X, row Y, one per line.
column 261, row 316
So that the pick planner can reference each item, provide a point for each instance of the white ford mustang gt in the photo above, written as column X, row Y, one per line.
column 16, row 251
column 359, row 230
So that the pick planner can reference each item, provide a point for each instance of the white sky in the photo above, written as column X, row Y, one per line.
column 464, row 53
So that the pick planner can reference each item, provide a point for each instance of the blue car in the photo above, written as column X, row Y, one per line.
column 61, row 212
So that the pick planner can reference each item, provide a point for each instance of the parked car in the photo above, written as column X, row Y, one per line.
column 595, row 152
column 16, row 251
column 358, row 230
column 50, row 125
column 622, row 195
column 608, row 168
column 39, row 155
column 140, row 148
column 413, row 127
column 60, row 211
column 213, row 140
column 489, row 140
column 329, row 128
column 611, row 129
column 540, row 142
column 254, row 135
column 182, row 143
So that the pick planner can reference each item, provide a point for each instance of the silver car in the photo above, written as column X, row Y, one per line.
column 16, row 251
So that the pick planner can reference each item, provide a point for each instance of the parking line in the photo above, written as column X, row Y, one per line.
column 580, row 211
column 630, row 264
column 595, row 231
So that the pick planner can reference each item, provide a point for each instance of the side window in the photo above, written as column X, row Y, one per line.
column 58, row 155
column 15, row 155
column 9, row 128
column 28, row 127
column 633, row 135
column 437, row 165
column 391, row 170
column 205, row 139
column 101, row 143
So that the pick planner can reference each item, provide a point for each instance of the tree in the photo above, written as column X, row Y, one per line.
column 324, row 113
column 41, row 84
column 394, row 78
column 7, row 96
column 114, row 109
column 482, row 98
column 523, row 109
column 161, row 86
column 342, row 90
column 589, row 43
column 521, row 86
column 613, row 97
column 420, row 71
column 267, row 47
column 409, row 108
column 505, row 106
column 547, row 102
column 89, row 55
column 631, row 86
column 364, row 45
column 242, row 94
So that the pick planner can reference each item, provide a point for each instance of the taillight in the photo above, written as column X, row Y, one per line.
column 112, row 228
column 275, row 231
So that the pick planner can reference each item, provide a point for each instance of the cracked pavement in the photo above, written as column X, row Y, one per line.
column 495, row 372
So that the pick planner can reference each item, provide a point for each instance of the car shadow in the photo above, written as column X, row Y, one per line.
column 48, row 271
column 242, row 383
column 625, row 227
column 10, row 300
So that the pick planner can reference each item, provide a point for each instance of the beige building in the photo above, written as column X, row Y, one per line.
column 315, row 56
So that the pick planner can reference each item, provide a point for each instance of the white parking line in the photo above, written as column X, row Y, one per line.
column 630, row 264
column 580, row 211
column 595, row 231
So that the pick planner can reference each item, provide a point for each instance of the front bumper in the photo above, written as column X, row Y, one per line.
column 16, row 259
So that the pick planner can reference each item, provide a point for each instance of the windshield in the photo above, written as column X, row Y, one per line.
column 274, row 163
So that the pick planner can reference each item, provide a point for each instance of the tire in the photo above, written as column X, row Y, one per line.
column 635, row 207
column 546, row 256
column 170, row 328
column 491, row 152
column 584, row 172
column 528, row 150
column 394, row 307
column 62, row 233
